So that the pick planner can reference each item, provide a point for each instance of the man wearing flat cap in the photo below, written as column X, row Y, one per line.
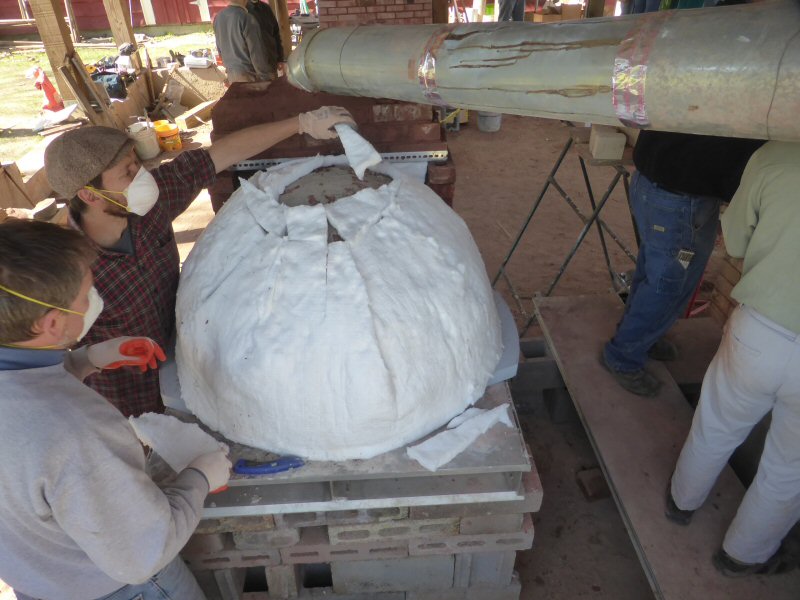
column 127, row 213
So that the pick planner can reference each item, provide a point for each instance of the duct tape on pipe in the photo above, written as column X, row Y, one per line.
column 630, row 70
column 426, row 70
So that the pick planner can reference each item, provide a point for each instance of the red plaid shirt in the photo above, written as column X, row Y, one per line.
column 139, row 289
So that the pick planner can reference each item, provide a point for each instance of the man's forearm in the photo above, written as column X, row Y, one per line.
column 243, row 144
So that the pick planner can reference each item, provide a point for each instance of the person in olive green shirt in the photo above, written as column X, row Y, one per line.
column 755, row 370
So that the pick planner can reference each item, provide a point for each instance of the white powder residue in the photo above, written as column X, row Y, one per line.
column 338, row 350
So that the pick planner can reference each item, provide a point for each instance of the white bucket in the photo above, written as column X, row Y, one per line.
column 489, row 121
column 145, row 140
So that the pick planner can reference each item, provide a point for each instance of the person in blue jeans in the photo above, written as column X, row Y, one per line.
column 675, row 196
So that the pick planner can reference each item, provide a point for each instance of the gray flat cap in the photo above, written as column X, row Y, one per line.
column 73, row 159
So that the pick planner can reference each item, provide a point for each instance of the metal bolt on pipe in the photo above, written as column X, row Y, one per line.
column 730, row 71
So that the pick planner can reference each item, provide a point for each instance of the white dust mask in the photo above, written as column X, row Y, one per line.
column 91, row 314
column 142, row 193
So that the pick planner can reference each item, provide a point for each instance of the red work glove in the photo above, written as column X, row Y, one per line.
column 119, row 352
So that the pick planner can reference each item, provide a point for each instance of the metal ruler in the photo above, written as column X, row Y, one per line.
column 397, row 157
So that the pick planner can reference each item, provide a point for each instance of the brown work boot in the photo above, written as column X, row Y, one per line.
column 638, row 382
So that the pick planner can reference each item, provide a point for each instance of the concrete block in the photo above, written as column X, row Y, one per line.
column 208, row 584
column 462, row 570
column 457, row 544
column 481, row 592
column 492, row 568
column 491, row 524
column 305, row 519
column 283, row 581
column 235, row 524
column 328, row 594
column 366, row 515
column 314, row 547
column 407, row 574
column 256, row 540
column 208, row 543
column 233, row 559
column 393, row 530
column 231, row 583
column 606, row 143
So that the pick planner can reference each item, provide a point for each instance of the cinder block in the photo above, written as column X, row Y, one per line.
column 491, row 524
column 233, row 559
column 208, row 584
column 306, row 519
column 475, row 543
column 209, row 543
column 492, row 568
column 256, row 540
column 462, row 570
column 329, row 594
column 263, row 523
column 393, row 530
column 231, row 583
column 407, row 574
column 482, row 592
column 606, row 143
column 593, row 484
column 314, row 547
column 363, row 516
column 283, row 581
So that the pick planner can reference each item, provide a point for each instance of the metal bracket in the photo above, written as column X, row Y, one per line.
column 396, row 157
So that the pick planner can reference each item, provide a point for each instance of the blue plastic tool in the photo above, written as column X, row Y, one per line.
column 284, row 463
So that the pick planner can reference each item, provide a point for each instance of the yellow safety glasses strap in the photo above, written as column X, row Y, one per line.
column 102, row 195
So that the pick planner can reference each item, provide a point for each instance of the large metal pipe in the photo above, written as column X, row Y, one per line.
column 732, row 71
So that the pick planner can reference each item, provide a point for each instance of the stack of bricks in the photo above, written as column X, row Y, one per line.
column 334, row 13
column 390, row 126
column 722, row 305
column 447, row 552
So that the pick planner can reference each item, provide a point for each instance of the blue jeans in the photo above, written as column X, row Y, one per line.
column 662, row 286
column 173, row 582
column 511, row 10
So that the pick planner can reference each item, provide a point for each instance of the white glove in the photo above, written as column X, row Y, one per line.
column 126, row 351
column 319, row 123
column 215, row 467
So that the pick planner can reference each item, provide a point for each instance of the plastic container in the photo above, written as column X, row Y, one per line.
column 489, row 121
column 145, row 140
column 169, row 138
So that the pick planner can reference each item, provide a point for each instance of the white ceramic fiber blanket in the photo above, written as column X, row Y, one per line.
column 178, row 443
column 336, row 350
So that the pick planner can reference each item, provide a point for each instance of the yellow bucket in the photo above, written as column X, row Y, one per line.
column 169, row 138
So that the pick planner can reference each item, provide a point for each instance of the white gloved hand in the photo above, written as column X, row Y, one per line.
column 319, row 123
column 215, row 467
column 126, row 351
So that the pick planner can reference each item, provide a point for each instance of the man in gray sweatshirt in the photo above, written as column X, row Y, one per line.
column 79, row 517
column 246, row 54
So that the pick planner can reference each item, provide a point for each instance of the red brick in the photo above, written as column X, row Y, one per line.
column 421, row 13
column 385, row 15
column 374, row 9
column 356, row 10
column 441, row 173
column 345, row 3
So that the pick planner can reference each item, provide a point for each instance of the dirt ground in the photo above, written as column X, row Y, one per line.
column 581, row 548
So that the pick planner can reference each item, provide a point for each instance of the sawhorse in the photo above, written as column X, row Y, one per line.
column 578, row 138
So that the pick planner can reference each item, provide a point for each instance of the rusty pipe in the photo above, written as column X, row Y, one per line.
column 731, row 71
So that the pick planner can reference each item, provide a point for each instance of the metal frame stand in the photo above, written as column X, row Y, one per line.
column 576, row 135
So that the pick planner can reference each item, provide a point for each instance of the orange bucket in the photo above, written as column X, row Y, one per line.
column 169, row 138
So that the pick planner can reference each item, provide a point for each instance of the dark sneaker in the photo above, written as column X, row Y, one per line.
column 638, row 382
column 663, row 350
column 672, row 512
column 730, row 567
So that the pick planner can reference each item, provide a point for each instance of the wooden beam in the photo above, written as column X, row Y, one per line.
column 120, row 21
column 148, row 12
column 72, row 22
column 282, row 14
column 49, row 15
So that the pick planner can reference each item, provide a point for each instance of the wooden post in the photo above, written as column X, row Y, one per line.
column 441, row 11
column 49, row 15
column 72, row 22
column 282, row 14
column 120, row 21
column 148, row 12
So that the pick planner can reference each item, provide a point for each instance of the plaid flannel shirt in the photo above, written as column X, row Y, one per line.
column 139, row 289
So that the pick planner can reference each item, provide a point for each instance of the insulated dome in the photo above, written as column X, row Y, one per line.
column 336, row 329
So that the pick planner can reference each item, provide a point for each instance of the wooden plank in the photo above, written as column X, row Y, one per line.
column 198, row 115
column 53, row 30
column 120, row 21
column 637, row 441
column 13, row 193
